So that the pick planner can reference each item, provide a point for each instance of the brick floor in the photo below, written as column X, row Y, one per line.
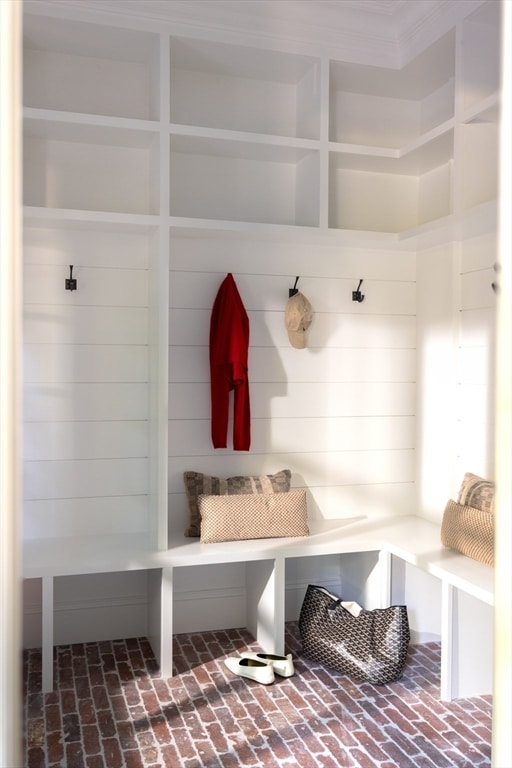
column 110, row 709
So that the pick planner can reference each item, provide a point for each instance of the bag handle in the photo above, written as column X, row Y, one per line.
column 348, row 605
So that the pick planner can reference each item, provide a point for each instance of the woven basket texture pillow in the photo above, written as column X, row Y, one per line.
column 259, row 516
column 477, row 492
column 198, row 484
column 469, row 530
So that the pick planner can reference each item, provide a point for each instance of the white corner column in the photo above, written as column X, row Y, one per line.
column 10, row 384
column 502, row 691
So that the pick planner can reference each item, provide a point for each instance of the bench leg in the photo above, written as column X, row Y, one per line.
column 446, row 692
column 47, row 633
column 265, row 603
column 161, row 617
column 385, row 559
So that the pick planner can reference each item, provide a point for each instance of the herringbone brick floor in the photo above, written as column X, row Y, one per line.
column 110, row 709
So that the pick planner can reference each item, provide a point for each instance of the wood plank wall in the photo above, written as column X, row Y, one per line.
column 86, row 357
column 476, row 377
column 86, row 383
column 339, row 414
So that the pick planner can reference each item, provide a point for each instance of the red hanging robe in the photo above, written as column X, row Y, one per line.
column 229, row 346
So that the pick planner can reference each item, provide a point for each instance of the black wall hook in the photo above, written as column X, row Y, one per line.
column 70, row 281
column 357, row 295
column 495, row 284
column 294, row 290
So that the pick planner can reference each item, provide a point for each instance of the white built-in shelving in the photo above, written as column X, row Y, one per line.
column 90, row 69
column 237, row 134
column 253, row 181
column 244, row 89
column 88, row 164
column 245, row 129
column 391, row 142
column 475, row 156
column 137, row 134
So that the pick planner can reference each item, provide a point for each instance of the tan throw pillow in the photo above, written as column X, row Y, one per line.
column 477, row 492
column 197, row 484
column 469, row 530
column 260, row 516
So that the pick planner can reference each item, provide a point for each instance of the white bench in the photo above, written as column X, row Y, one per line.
column 412, row 540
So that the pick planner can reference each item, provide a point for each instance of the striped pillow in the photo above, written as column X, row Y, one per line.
column 197, row 484
column 477, row 493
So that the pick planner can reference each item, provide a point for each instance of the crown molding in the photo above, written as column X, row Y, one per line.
column 312, row 27
column 379, row 32
column 430, row 20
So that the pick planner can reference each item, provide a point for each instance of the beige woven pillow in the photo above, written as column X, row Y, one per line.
column 198, row 484
column 261, row 516
column 469, row 530
column 477, row 492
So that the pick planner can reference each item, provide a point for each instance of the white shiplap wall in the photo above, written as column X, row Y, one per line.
column 455, row 423
column 86, row 414
column 476, row 373
column 455, row 359
column 339, row 414
column 86, row 383
column 348, row 415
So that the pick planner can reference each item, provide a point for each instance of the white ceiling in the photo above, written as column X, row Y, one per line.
column 383, row 32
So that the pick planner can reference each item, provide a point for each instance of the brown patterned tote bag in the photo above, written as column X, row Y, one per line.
column 371, row 646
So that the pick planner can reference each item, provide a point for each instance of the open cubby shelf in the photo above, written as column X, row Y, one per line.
column 248, row 140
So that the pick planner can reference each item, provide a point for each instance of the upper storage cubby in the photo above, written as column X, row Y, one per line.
column 90, row 167
column 381, row 107
column 230, row 87
column 480, row 55
column 90, row 68
column 477, row 149
column 391, row 193
column 258, row 182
